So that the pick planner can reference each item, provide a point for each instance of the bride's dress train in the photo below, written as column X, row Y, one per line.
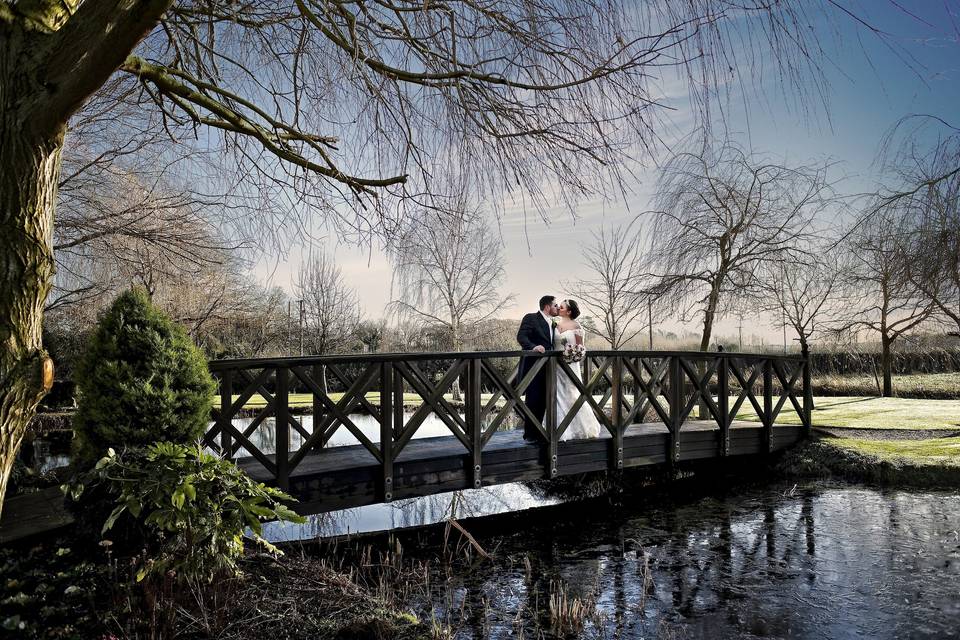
column 585, row 423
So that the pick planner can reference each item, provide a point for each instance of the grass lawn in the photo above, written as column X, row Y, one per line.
column 873, row 413
column 831, row 411
column 915, row 460
column 939, row 451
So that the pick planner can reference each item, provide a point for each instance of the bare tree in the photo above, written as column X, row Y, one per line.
column 722, row 217
column 616, row 264
column 933, row 225
column 920, row 168
column 883, row 297
column 331, row 307
column 448, row 274
column 805, row 294
column 258, row 327
column 343, row 102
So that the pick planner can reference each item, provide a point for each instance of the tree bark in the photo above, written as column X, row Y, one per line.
column 709, row 314
column 703, row 412
column 457, row 342
column 51, row 61
column 29, row 173
column 886, row 365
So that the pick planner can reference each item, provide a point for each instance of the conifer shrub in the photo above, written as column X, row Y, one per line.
column 141, row 380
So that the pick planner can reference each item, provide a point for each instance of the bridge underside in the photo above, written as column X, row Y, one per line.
column 343, row 477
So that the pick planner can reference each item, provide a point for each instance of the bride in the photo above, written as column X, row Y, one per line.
column 585, row 423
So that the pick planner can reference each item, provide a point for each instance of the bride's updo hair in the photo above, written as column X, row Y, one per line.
column 574, row 309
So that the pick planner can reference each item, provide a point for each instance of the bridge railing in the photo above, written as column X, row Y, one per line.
column 382, row 401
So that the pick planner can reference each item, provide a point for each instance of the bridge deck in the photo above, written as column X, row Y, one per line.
column 341, row 477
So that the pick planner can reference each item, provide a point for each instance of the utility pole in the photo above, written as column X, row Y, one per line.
column 300, row 302
column 289, row 327
column 650, row 321
column 783, row 310
column 740, row 331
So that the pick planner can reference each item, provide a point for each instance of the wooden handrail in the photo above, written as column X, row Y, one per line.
column 295, row 361
column 668, row 383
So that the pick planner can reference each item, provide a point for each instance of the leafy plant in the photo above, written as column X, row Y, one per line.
column 195, row 508
column 141, row 380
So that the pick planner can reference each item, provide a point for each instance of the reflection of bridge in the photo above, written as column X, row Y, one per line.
column 644, row 399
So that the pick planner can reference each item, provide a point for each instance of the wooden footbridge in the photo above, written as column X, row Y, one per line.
column 646, row 401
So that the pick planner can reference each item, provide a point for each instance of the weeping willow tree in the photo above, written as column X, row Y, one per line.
column 341, row 107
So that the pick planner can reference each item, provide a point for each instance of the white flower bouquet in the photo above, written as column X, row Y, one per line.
column 573, row 352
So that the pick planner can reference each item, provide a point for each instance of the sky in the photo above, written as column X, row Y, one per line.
column 871, row 84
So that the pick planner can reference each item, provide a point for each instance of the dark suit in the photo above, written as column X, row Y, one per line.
column 534, row 331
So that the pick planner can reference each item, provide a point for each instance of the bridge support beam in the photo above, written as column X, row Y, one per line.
column 473, row 407
column 226, row 399
column 386, row 428
column 616, row 449
column 767, row 405
column 807, row 418
column 282, row 427
column 676, row 409
column 550, row 418
column 723, row 404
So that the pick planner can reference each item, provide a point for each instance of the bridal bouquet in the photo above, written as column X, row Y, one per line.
column 573, row 352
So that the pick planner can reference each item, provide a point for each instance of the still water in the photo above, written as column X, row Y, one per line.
column 815, row 561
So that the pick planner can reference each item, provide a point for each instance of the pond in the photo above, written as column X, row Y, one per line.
column 815, row 561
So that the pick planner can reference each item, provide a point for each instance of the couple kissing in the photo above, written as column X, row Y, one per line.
column 555, row 328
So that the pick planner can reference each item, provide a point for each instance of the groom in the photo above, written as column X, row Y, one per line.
column 536, row 334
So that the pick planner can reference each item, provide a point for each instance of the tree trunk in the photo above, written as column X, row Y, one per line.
column 29, row 173
column 805, row 354
column 455, row 389
column 886, row 365
column 709, row 314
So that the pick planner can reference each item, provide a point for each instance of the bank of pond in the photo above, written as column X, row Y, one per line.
column 702, row 552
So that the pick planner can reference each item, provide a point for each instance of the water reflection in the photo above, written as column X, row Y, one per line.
column 413, row 512
column 823, row 562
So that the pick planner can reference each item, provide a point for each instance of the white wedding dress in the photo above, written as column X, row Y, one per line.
column 584, row 424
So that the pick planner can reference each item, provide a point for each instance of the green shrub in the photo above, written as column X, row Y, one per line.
column 192, row 507
column 140, row 381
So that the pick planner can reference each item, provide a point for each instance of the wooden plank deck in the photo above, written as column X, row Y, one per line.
column 342, row 477
column 33, row 513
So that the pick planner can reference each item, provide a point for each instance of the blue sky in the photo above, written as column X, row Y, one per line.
column 870, row 86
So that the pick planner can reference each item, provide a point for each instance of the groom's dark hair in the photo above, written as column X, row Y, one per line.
column 545, row 300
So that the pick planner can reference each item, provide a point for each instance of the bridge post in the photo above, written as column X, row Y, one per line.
column 225, row 418
column 282, row 427
column 676, row 409
column 317, row 404
column 767, row 404
column 398, row 405
column 386, row 427
column 616, row 414
column 723, row 403
column 807, row 418
column 550, row 417
column 473, row 406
